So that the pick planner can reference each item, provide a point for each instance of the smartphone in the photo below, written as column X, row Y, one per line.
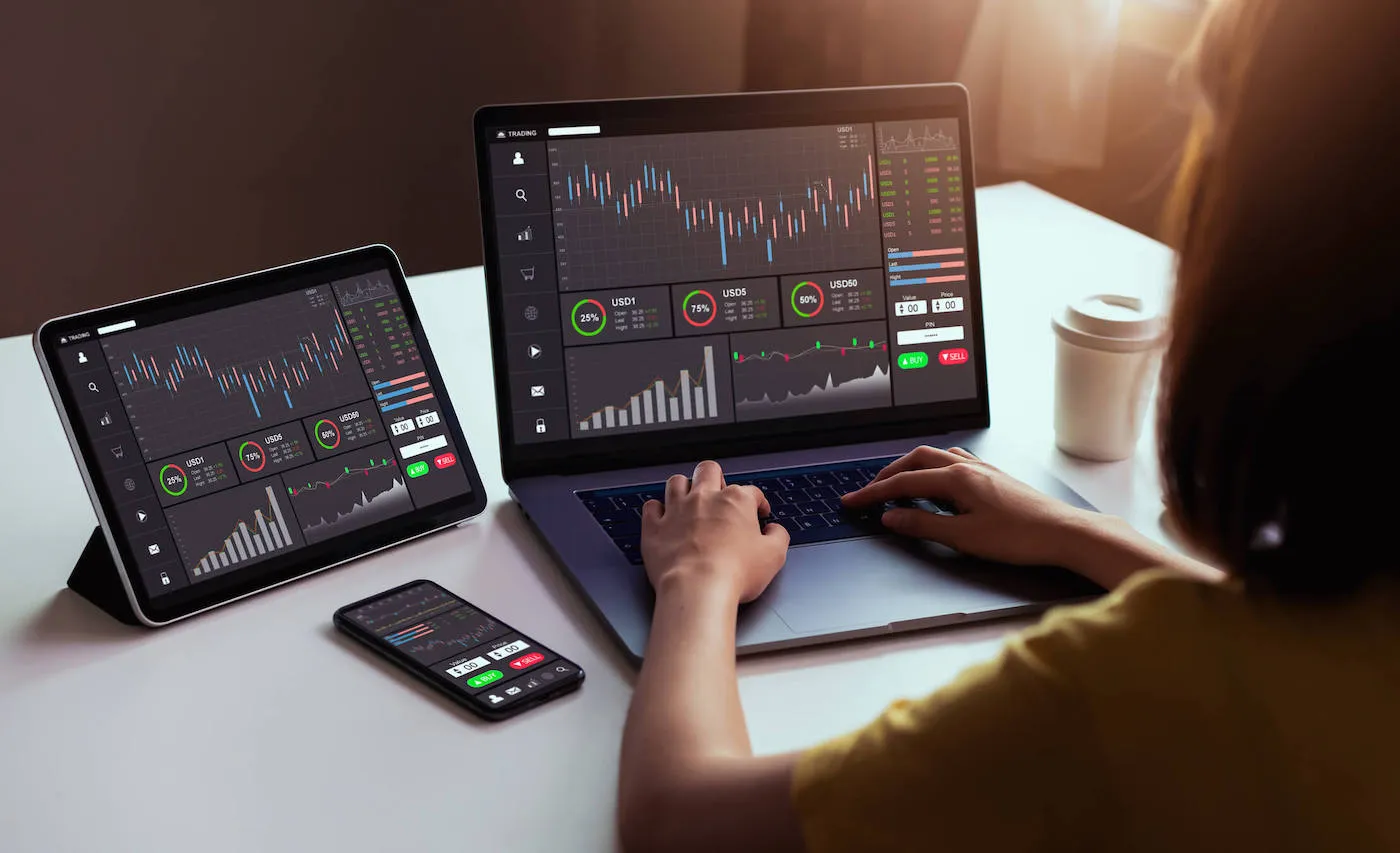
column 466, row 654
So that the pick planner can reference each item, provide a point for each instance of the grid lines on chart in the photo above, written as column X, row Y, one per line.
column 631, row 211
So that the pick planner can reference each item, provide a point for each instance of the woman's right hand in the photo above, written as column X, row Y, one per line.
column 999, row 517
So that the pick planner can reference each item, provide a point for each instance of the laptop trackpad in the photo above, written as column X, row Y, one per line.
column 864, row 583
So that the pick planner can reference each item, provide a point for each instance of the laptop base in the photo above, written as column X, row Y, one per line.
column 828, row 591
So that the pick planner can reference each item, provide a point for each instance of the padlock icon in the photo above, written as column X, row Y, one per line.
column 539, row 425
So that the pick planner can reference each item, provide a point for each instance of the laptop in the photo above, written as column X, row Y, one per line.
column 785, row 282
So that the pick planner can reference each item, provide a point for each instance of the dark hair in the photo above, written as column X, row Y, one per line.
column 1277, row 441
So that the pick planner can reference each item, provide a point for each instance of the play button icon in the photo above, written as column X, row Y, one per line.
column 535, row 351
column 141, row 515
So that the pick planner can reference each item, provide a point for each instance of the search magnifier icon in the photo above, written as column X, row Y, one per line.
column 92, row 386
column 520, row 194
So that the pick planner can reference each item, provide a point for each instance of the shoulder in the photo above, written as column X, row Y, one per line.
column 1154, row 621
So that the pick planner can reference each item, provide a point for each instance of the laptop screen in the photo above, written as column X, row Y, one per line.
column 664, row 280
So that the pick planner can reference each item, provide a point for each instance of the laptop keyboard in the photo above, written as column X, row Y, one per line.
column 806, row 500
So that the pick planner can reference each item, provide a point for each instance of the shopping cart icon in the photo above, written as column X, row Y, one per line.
column 527, row 273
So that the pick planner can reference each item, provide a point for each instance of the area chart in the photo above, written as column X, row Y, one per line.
column 803, row 372
column 347, row 492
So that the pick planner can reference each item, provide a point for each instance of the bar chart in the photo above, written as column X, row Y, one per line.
column 233, row 528
column 927, row 266
column 402, row 391
column 673, row 383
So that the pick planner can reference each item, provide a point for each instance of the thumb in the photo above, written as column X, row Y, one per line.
column 921, row 524
column 774, row 532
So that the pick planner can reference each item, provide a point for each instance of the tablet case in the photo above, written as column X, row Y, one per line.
column 94, row 577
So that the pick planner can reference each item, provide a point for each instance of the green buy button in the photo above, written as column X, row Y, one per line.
column 485, row 678
column 418, row 469
column 907, row 361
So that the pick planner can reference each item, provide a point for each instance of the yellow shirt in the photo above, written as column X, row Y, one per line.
column 1170, row 715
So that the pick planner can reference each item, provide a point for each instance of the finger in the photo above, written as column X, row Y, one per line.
column 652, row 511
column 918, row 459
column 677, row 487
column 941, row 483
column 760, row 500
column 775, row 532
column 709, row 477
column 972, row 457
column 923, row 525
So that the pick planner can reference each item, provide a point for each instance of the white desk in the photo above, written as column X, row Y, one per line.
column 257, row 728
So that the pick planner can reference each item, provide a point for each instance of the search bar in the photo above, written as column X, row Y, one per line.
column 117, row 327
column 579, row 130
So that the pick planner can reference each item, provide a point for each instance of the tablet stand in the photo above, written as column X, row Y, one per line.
column 94, row 577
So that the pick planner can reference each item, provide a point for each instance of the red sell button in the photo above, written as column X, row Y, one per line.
column 526, row 661
column 953, row 356
column 446, row 460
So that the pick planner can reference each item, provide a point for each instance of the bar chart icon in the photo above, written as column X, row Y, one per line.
column 253, row 538
column 686, row 397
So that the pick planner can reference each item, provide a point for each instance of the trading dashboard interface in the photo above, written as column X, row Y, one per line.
column 681, row 280
column 229, row 437
column 490, row 661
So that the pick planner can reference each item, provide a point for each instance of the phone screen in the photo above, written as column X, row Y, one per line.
column 478, row 658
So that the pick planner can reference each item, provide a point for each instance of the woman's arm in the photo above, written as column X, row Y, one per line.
column 1000, row 518
column 688, row 779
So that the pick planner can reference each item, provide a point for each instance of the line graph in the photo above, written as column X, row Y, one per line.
column 194, row 381
column 689, row 207
column 855, row 346
column 799, row 371
column 353, row 291
column 926, row 140
column 346, row 473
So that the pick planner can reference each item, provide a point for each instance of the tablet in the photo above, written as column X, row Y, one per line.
column 240, row 434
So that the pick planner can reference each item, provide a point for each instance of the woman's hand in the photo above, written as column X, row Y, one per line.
column 999, row 517
column 709, row 532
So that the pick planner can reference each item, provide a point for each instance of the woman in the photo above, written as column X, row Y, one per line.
column 1254, row 709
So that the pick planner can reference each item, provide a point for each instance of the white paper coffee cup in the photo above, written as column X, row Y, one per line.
column 1106, row 357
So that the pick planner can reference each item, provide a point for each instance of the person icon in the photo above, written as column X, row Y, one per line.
column 519, row 159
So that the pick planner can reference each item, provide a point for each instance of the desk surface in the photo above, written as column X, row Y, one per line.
column 256, row 727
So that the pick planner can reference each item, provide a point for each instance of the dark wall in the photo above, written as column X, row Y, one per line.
column 156, row 144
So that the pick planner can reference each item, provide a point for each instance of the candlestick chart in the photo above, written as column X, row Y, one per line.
column 688, row 207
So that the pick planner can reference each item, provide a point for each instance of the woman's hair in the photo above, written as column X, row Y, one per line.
column 1278, row 415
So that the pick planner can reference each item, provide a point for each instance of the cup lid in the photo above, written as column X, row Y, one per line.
column 1110, row 322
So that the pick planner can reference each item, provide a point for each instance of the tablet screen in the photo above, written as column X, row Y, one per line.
column 231, row 437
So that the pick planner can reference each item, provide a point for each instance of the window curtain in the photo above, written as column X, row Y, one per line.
column 806, row 44
column 1039, row 73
